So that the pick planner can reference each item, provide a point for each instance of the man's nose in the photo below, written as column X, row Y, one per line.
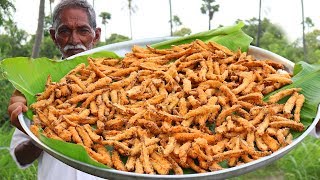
column 74, row 38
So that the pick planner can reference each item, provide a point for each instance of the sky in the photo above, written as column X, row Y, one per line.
column 151, row 17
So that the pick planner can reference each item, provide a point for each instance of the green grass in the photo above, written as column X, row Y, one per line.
column 301, row 163
column 6, row 132
column 9, row 169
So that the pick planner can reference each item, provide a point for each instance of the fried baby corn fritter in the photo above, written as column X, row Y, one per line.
column 190, row 106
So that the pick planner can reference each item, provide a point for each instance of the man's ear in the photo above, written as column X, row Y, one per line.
column 98, row 35
column 53, row 34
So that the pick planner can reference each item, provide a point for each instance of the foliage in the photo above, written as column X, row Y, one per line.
column 6, row 90
column 47, row 25
column 208, row 7
column 12, row 40
column 115, row 38
column 105, row 17
column 274, row 39
column 6, row 131
column 176, row 20
column 6, row 7
column 308, row 22
column 182, row 32
column 313, row 46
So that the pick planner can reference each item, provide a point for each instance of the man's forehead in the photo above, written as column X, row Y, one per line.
column 74, row 14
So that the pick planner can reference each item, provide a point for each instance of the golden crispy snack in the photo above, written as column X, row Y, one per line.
column 189, row 106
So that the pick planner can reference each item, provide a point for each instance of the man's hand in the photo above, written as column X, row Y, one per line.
column 17, row 105
column 25, row 152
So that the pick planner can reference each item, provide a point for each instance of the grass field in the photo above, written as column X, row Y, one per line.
column 8, row 168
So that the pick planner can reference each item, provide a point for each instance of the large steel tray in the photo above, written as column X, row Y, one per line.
column 121, row 49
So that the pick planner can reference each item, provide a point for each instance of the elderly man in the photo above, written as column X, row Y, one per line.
column 74, row 30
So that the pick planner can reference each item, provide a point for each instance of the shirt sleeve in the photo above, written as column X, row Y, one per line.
column 18, row 137
column 315, row 133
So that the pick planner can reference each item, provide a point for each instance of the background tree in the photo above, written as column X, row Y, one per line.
column 170, row 21
column 115, row 38
column 39, row 34
column 105, row 17
column 47, row 48
column 132, row 9
column 6, row 7
column 176, row 20
column 208, row 7
column 309, row 23
column 272, row 38
column 51, row 1
column 182, row 32
column 259, row 25
column 313, row 41
column 12, row 41
column 303, row 33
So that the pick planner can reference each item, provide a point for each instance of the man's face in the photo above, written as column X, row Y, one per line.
column 74, row 33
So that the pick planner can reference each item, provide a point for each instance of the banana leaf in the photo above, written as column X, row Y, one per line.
column 29, row 77
column 230, row 36
column 307, row 77
column 74, row 151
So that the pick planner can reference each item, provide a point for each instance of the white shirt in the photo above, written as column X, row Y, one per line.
column 49, row 168
column 315, row 133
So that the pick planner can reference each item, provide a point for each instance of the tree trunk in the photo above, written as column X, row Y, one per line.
column 39, row 34
column 105, row 32
column 259, row 26
column 303, row 34
column 209, row 23
column 130, row 24
column 50, row 9
column 130, row 9
column 171, row 33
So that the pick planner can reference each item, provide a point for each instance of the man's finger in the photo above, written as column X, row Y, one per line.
column 15, row 99
column 14, row 106
column 14, row 116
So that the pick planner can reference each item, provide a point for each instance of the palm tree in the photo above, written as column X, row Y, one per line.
column 259, row 25
column 51, row 1
column 171, row 33
column 105, row 17
column 303, row 33
column 131, row 9
column 39, row 34
column 176, row 21
column 209, row 7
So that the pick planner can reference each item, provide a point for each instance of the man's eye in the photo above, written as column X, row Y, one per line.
column 64, row 32
column 84, row 31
